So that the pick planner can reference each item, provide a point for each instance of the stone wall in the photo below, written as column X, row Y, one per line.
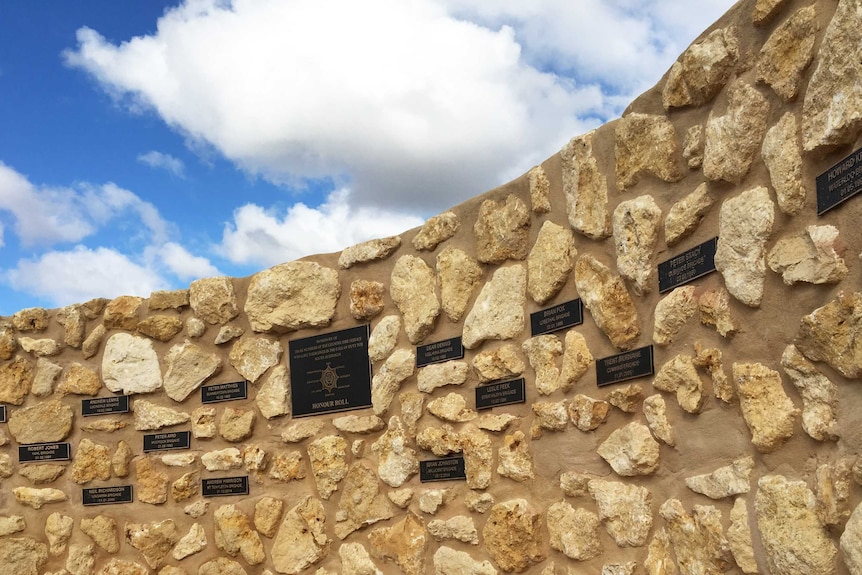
column 741, row 454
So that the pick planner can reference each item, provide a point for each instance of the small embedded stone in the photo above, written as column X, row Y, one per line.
column 435, row 231
column 766, row 408
column 234, row 535
column 679, row 376
column 672, row 313
column 31, row 319
column 461, row 528
column 58, row 530
column 163, row 299
column 685, row 215
column 186, row 487
column 273, row 396
column 103, row 531
column 92, row 461
column 287, row 466
column 37, row 498
column 16, row 380
column 513, row 535
column 788, row 52
column 542, row 352
column 766, row 10
column 627, row 397
column 625, row 510
column 366, row 299
column 783, row 159
column 714, row 307
column 404, row 543
column 655, row 412
column 40, row 474
column 698, row 540
column 441, row 374
column 122, row 312
column 267, row 512
column 203, row 422
column 192, row 542
column 540, row 190
column 725, row 481
column 809, row 257
column 301, row 430
column 702, row 70
column 692, row 148
column 292, row 296
column 631, row 450
column 228, row 333
column 214, row 300
column 150, row 416
column 154, row 540
column 388, row 379
column 500, row 363
column 222, row 459
column 383, row 338
column 44, row 347
column 574, row 532
column 739, row 537
column 236, row 424
column 91, row 344
column 514, row 458
column 608, row 301
column 831, row 333
column 301, row 540
column 369, row 251
column 160, row 327
column 188, row 367
column 451, row 407
column 152, row 485
column 819, row 395
column 328, row 456
column 397, row 461
column 587, row 413
column 362, row 503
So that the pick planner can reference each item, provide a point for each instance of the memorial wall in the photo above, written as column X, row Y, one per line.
column 641, row 357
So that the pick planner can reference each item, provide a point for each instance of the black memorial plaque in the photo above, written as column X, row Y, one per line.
column 224, row 392
column 107, row 495
column 167, row 441
column 625, row 366
column 104, row 405
column 2, row 414
column 439, row 351
column 504, row 393
column 444, row 469
column 220, row 486
column 44, row 452
column 330, row 372
column 687, row 266
column 559, row 317
column 839, row 183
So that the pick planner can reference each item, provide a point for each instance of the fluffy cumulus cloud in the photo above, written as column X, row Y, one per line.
column 159, row 160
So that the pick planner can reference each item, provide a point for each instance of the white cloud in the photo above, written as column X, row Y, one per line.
column 267, row 238
column 182, row 263
column 155, row 159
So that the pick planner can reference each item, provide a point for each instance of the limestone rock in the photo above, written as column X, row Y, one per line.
column 267, row 512
column 733, row 140
column 655, row 412
column 214, row 300
column 448, row 561
column 179, row 459
column 832, row 491
column 103, row 531
column 31, row 319
column 739, row 537
column 575, row 483
column 625, row 511
column 631, row 450
column 702, row 70
column 819, row 395
column 788, row 52
column 680, row 376
column 164, row 299
column 552, row 416
column 109, row 425
column 620, row 568
column 550, row 261
column 627, row 397
column 79, row 380
column 514, row 458
column 792, row 536
column 412, row 404
column 361, row 502
column 149, row 416
column 292, row 296
column 355, row 560
column 458, row 275
column 513, row 535
column 698, row 541
column 767, row 410
column 36, row 498
column 366, row 299
column 498, row 312
column 585, row 188
column 301, row 430
column 441, row 441
column 783, row 158
column 692, row 149
column 851, row 542
column 154, row 540
column 188, row 367
column 130, row 365
column 369, row 251
column 542, row 351
column 478, row 457
column 47, row 374
column 383, row 338
column 809, row 257
column 540, row 190
column 44, row 347
column 831, row 334
column 235, row 536
column 228, row 333
column 766, row 10
column 58, row 530
column 121, row 459
column 203, row 422
column 219, row 566
column 502, row 230
column 460, row 528
column 710, row 358
column 587, row 413
column 122, row 312
column 301, row 540
column 235, row 424
column 192, row 542
column 91, row 344
column 186, row 487
column 195, row 327
column 577, row 360
column 92, row 461
column 479, row 502
column 160, row 327
column 222, row 459
column 439, row 374
column 197, row 509
column 412, row 287
column 608, row 301
column 10, row 524
column 503, row 362
column 404, row 543
column 152, row 484
column 401, row 497
column 435, row 231
column 273, row 397
column 252, row 356
column 16, row 378
column 672, row 313
column 659, row 560
column 574, row 532
column 41, row 423
column 388, row 379
column 451, row 407
column 8, row 343
column 40, row 474
column 725, row 481
column 287, row 466
column 714, row 307
column 832, row 108
column 686, row 214
column 22, row 556
column 396, row 459
column 433, row 499
column 646, row 144
column 328, row 463
column 358, row 423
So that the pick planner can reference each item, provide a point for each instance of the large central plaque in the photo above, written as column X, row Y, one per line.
column 330, row 372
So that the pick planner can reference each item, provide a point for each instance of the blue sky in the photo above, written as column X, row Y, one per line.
column 147, row 144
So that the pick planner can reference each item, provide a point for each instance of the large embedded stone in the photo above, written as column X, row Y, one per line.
column 851, row 542
column 152, row 484
column 292, row 296
column 355, row 560
column 388, row 379
column 636, row 225
column 81, row 559
column 235, row 536
column 672, row 313
column 90, row 347
column 16, row 379
column 478, row 457
column 440, row 374
column 412, row 404
column 739, row 537
column 550, row 261
column 192, row 542
column 413, row 289
column 130, row 365
column 767, row 410
column 37, row 498
column 540, row 190
column 631, row 450
column 188, row 367
column 41, row 423
column 679, row 376
column 396, row 459
column 301, row 540
column 608, row 301
column 587, row 413
column 214, row 300
column 832, row 109
column 369, row 251
column 361, row 501
column 585, row 188
column 31, row 319
column 514, row 458
column 43, row 347
column 698, row 541
column 435, row 231
column 686, row 214
column 122, row 312
column 655, row 412
column 551, row 416
column 103, row 531
column 173, row 299
column 287, row 466
column 58, row 530
column 460, row 528
column 646, row 143
column 744, row 227
column 783, row 159
column 625, row 510
column 833, row 333
column 8, row 343
column 809, row 257
column 40, row 474
column 366, row 299
column 819, row 395
column 500, row 363
column 154, row 540
column 150, row 416
column 328, row 463
column 273, row 397
column 360, row 424
column 502, row 229
column 448, row 561
column 577, row 360
column 22, row 556
column 236, row 424
column 252, row 356
column 574, row 532
column 513, row 535
column 702, row 70
column 92, row 461
column 383, row 338
column 451, row 407
column 725, row 481
column 787, row 53
column 80, row 380
column 301, row 430
column 440, row 441
column 458, row 275
column 404, row 543
column 792, row 536
column 659, row 560
column 186, row 487
column 542, row 352
column 47, row 374
column 160, row 327
column 222, row 459
column 498, row 312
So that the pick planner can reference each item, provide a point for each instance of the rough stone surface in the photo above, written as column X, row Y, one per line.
column 47, row 374
column 41, row 474
column 625, row 511
column 412, row 287
column 366, row 299
column 692, row 148
column 228, row 333
column 500, row 363
column 513, row 535
column 103, row 531
column 58, row 530
column 152, row 484
column 606, row 297
column 43, row 347
column 219, row 566
column 679, row 376
column 273, row 396
column 587, row 413
column 301, row 540
column 90, row 347
column 851, row 542
column 287, row 466
column 733, row 140
column 479, row 502
column 188, row 367
column 235, row 536
column 478, row 457
column 41, row 423
column 122, row 312
column 173, row 299
column 355, row 560
column 698, row 541
column 451, row 407
column 585, row 188
column 636, row 225
column 222, row 459
column 514, row 458
column 214, row 300
column 361, row 501
column 79, row 380
column 267, row 512
column 744, row 227
column 440, row 441
column 550, row 262
column 404, row 543
column 186, row 487
column 646, row 144
column 832, row 108
column 672, row 313
column 685, row 215
column 301, row 430
column 631, row 450
column 195, row 327
column 154, row 540
column 16, row 379
column 396, row 459
column 809, row 257
column 431, row 500
column 121, row 459
column 626, row 398
column 435, row 231
column 36, row 498
column 725, row 481
column 458, row 275
column 788, row 52
column 130, row 365
column 383, row 338
column 502, row 230
column 22, row 556
column 767, row 410
column 766, row 10
column 819, row 395
column 659, row 560
column 236, row 424
column 739, row 537
column 551, row 416
column 160, row 327
column 783, row 159
column 714, row 307
column 292, row 296
column 328, row 463
column 31, row 319
column 369, row 251
column 440, row 374
column 542, row 352
column 252, row 356
column 702, row 70
column 540, row 190
column 574, row 532
column 388, row 379
column 655, row 412
column 792, row 536
column 10, row 524
column 150, row 416
column 498, row 312
column 575, row 483
column 203, row 422
column 460, row 528
column 92, row 461
column 832, row 334
column 192, row 542
column 448, row 561
column 401, row 497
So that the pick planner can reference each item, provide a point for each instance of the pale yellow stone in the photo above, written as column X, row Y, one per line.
column 645, row 143
column 479, row 502
column 91, row 344
column 458, row 276
column 287, row 466
column 702, row 70
column 130, row 365
column 497, row 364
column 710, row 358
column 851, row 542
column 388, row 379
column 36, row 498
column 460, row 527
column 577, row 360
column 44, row 422
column 8, row 343
column 440, row 374
column 733, row 140
column 542, row 352
column 228, row 333
column 478, row 457
column 253, row 356
column 301, row 430
column 692, row 150
column 739, row 538
column 550, row 262
column 788, row 52
column 186, row 487
column 585, row 188
column 431, row 500
column 44, row 347
column 46, row 375
column 192, row 542
column 624, row 510
column 726, row 481
column 655, row 412
column 214, row 300
column 195, row 327
column 173, row 299
column 160, row 327
column 575, row 483
column 608, row 301
column 292, row 296
column 22, row 556
column 552, row 416
column 412, row 409
column 121, row 458
column 685, row 215
column 366, row 299
column 831, row 333
column 152, row 484
column 10, row 524
column 714, row 307
column 766, row 408
column 819, row 395
column 587, row 413
column 672, row 313
column 502, row 230
column 513, row 535
column 31, row 319
column 574, row 532
column 540, row 190
column 698, row 540
column 448, row 561
column 401, row 497
column 103, row 531
column 435, row 231
column 92, row 461
column 383, row 338
column 189, row 365
column 219, row 566
column 514, row 458
column 626, row 398
column 203, row 422
column 372, row 250
column 679, row 376
column 659, row 560
column 413, row 289
column 273, row 396
column 16, row 379
column 631, row 450
column 150, row 416
column 396, row 459
column 58, row 530
column 361, row 501
column 122, row 312
column 328, row 463
column 766, row 10
column 356, row 561
column 440, row 441
column 809, row 257
column 498, row 313
column 154, row 540
column 233, row 534
column 236, row 424
column 404, row 543
column 832, row 491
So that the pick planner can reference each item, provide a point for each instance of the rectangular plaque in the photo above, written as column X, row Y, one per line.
column 107, row 495
column 439, row 351
column 839, row 183
column 330, row 372
column 44, row 452
column 444, row 469
column 224, row 486
column 224, row 392
column 558, row 317
column 625, row 366
column 504, row 393
column 2, row 414
column 167, row 441
column 103, row 405
column 687, row 266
